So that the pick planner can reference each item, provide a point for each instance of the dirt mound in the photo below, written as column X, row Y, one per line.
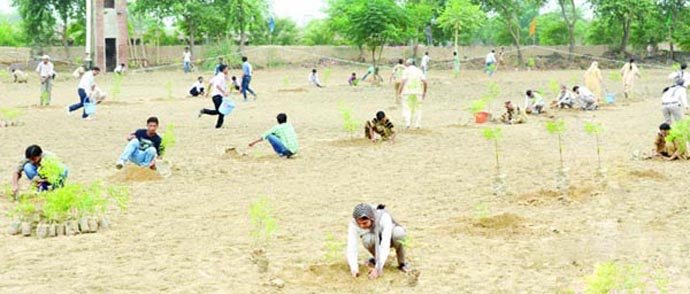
column 647, row 174
column 131, row 173
column 505, row 224
column 545, row 196
column 292, row 90
column 356, row 142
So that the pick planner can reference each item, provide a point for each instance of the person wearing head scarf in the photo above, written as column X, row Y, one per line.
column 378, row 232
column 594, row 80
column 630, row 73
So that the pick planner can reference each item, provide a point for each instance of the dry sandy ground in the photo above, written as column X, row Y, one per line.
column 189, row 233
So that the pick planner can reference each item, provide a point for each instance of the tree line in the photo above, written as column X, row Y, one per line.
column 627, row 26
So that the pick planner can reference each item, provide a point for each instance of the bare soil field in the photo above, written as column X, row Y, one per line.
column 190, row 232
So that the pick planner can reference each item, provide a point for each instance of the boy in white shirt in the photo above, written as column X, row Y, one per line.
column 87, row 83
column 314, row 79
column 425, row 63
column 219, row 90
column 534, row 103
column 491, row 63
column 187, row 60
column 198, row 88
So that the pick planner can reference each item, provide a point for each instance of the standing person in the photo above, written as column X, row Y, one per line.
column 594, row 80
column 630, row 73
column 198, row 88
column 534, row 103
column 425, row 63
column 683, row 79
column 396, row 78
column 456, row 64
column 490, row 62
column 501, row 56
column 187, row 60
column 87, row 83
column 673, row 101
column 34, row 157
column 219, row 90
column 586, row 98
column 413, row 86
column 143, row 147
column 217, row 69
column 375, row 226
column 282, row 138
column 314, row 79
column 46, row 74
column 247, row 74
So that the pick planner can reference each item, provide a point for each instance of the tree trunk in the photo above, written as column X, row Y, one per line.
column 457, row 31
column 373, row 55
column 626, row 36
column 64, row 38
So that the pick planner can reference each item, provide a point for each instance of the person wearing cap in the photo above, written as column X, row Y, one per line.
column 673, row 101
column 668, row 150
column 87, row 84
column 378, row 232
column 30, row 166
column 379, row 128
column 413, row 90
column 46, row 73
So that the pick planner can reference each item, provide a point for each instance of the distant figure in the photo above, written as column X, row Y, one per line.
column 219, row 90
column 585, row 98
column 78, row 72
column 456, row 64
column 512, row 115
column 87, row 83
column 198, row 88
column 377, row 230
column 681, row 78
column 594, row 81
column 534, row 103
column 353, row 81
column 501, row 56
column 31, row 167
column 120, row 69
column 46, row 73
column 235, row 83
column 429, row 36
column 630, row 73
column 673, row 102
column 564, row 99
column 187, row 60
column 314, row 79
column 668, row 150
column 19, row 76
column 282, row 138
column 217, row 68
column 490, row 62
column 396, row 78
column 413, row 92
column 379, row 128
column 247, row 74
column 143, row 147
column 425, row 63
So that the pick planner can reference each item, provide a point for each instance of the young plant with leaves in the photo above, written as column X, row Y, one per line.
column 117, row 84
column 680, row 135
column 333, row 248
column 168, row 90
column 350, row 124
column 262, row 221
column 494, row 135
column 554, row 87
column 595, row 129
column 51, row 169
column 168, row 139
column 10, row 114
column 557, row 127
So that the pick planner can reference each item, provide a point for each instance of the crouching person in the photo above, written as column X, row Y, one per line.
column 282, row 138
column 378, row 232
column 513, row 115
column 668, row 150
column 143, row 147
column 35, row 159
column 379, row 128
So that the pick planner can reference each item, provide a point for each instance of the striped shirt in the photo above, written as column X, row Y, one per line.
column 382, row 127
column 513, row 117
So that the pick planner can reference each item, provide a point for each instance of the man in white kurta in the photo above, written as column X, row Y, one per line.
column 413, row 92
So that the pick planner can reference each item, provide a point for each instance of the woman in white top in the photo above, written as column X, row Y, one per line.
column 378, row 232
column 630, row 73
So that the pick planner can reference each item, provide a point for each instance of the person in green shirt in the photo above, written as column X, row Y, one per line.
column 282, row 137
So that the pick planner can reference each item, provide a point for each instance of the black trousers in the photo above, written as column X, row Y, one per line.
column 217, row 101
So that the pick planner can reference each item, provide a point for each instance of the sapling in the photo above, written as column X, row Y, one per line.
column 263, row 227
column 595, row 129
column 168, row 89
column 334, row 249
column 531, row 63
column 349, row 123
column 615, row 76
column 554, row 87
column 286, row 82
column 326, row 74
column 557, row 127
column 169, row 140
column 612, row 277
column 117, row 83
column 51, row 170
column 680, row 135
column 481, row 211
column 499, row 184
column 10, row 114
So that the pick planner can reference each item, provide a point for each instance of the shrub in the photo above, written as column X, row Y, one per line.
column 262, row 221
column 10, row 113
column 680, row 134
column 168, row 139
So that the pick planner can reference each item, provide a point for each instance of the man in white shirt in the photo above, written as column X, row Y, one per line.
column 46, row 73
column 314, row 79
column 491, row 63
column 219, row 90
column 413, row 90
column 673, row 101
column 87, row 83
column 187, row 60
column 586, row 98
column 198, row 88
column 681, row 78
column 378, row 232
column 425, row 63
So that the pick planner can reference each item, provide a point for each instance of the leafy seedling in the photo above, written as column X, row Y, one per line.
column 117, row 83
column 10, row 114
column 262, row 221
column 531, row 63
column 595, row 129
column 481, row 211
column 615, row 76
column 326, row 74
column 612, row 277
column 477, row 106
column 334, row 249
column 25, row 210
column 557, row 127
column 554, row 87
column 350, row 125
column 286, row 82
column 680, row 134
column 51, row 169
column 168, row 89
column 169, row 140
column 494, row 135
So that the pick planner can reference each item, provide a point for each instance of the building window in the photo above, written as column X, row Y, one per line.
column 109, row 4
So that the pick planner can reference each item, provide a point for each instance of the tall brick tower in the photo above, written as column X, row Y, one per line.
column 108, row 40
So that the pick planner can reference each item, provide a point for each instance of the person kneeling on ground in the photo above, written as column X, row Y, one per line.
column 378, row 232
column 534, row 103
column 198, row 88
column 282, row 137
column 353, row 81
column 513, row 116
column 379, row 127
column 31, row 166
column 143, row 147
column 565, row 99
column 97, row 95
column 314, row 79
column 19, row 76
column 120, row 69
column 585, row 98
column 668, row 150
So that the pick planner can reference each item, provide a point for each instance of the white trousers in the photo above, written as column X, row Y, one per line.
column 412, row 110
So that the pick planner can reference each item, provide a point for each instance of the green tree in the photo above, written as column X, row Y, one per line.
column 461, row 15
column 419, row 14
column 11, row 34
column 191, row 15
column 68, row 10
column 243, row 15
column 672, row 11
column 285, row 33
column 570, row 16
column 622, row 13
column 318, row 32
column 38, row 22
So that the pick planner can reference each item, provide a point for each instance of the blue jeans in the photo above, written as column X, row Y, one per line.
column 139, row 157
column 245, row 86
column 186, row 67
column 31, row 171
column 82, row 99
column 278, row 146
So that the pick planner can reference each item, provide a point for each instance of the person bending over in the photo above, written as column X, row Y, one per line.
column 32, row 166
column 198, row 88
column 282, row 138
column 379, row 128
